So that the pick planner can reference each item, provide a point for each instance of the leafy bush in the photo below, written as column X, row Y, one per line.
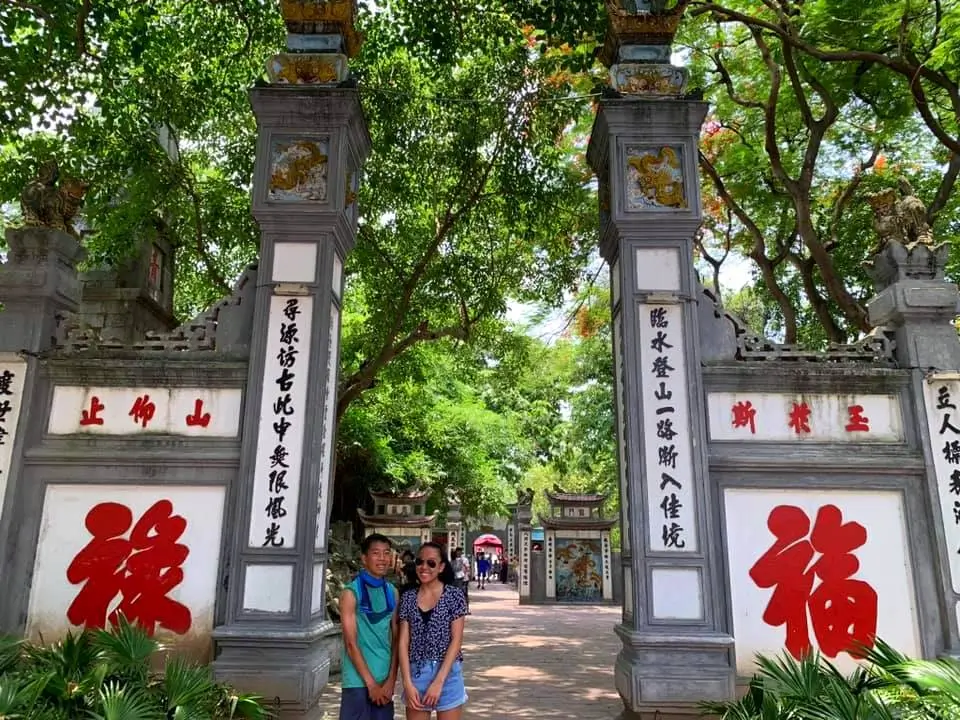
column 106, row 675
column 888, row 686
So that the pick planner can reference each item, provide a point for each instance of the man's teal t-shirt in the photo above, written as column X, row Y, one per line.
column 373, row 638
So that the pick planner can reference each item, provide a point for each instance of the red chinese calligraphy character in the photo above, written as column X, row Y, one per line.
column 142, row 569
column 858, row 422
column 744, row 415
column 199, row 418
column 91, row 416
column 842, row 610
column 143, row 410
column 800, row 418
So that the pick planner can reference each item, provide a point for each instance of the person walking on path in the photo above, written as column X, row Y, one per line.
column 504, row 570
column 483, row 567
column 368, row 613
column 431, row 634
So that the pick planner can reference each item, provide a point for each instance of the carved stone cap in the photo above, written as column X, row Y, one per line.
column 36, row 245
column 914, row 261
column 322, row 17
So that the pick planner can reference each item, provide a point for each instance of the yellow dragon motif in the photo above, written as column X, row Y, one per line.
column 658, row 176
column 293, row 169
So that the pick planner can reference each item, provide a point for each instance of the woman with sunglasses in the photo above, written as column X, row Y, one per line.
column 431, row 633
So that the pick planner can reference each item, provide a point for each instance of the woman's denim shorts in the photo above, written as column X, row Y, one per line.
column 454, row 693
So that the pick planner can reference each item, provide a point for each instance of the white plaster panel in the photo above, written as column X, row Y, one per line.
column 525, row 564
column 627, row 592
column 337, row 280
column 329, row 420
column 12, row 374
column 192, row 412
column 783, row 417
column 273, row 517
column 667, row 430
column 941, row 400
column 295, row 262
column 658, row 269
column 268, row 588
column 317, row 599
column 64, row 532
column 677, row 593
column 880, row 568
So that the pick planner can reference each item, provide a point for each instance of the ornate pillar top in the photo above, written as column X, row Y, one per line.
column 638, row 43
column 321, row 36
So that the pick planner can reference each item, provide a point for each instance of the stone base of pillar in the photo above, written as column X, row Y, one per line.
column 670, row 674
column 287, row 668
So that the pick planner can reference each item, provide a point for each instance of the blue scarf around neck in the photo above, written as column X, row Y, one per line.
column 368, row 581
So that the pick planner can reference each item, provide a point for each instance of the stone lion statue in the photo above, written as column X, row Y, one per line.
column 46, row 201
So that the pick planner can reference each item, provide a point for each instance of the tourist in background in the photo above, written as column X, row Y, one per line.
column 368, row 613
column 461, row 571
column 504, row 569
column 431, row 634
column 483, row 568
column 407, row 572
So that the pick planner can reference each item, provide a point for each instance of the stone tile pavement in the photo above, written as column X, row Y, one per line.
column 520, row 663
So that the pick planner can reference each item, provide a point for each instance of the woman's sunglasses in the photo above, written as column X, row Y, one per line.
column 431, row 563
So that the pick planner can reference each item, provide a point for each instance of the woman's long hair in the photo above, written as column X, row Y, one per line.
column 446, row 576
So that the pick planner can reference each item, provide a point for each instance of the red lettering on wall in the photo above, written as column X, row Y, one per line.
column 142, row 569
column 744, row 415
column 842, row 610
column 858, row 422
column 199, row 417
column 92, row 416
column 800, row 418
column 143, row 410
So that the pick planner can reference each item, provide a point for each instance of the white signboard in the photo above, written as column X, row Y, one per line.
column 942, row 397
column 667, row 428
column 193, row 412
column 783, row 417
column 815, row 569
column 150, row 553
column 12, row 373
column 276, row 485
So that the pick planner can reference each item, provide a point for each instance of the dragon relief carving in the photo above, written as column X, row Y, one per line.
column 48, row 201
column 658, row 178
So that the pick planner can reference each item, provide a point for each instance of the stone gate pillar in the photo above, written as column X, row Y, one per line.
column 312, row 141
column 676, row 648
column 38, row 284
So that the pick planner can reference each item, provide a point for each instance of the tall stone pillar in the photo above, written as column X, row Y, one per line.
column 918, row 306
column 312, row 141
column 522, row 519
column 677, row 650
column 38, row 284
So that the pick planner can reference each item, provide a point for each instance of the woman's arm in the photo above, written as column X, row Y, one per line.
column 403, row 650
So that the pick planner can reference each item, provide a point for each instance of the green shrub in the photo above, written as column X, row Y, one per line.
column 106, row 675
column 887, row 686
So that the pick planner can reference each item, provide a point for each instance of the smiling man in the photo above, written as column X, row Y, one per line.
column 368, row 612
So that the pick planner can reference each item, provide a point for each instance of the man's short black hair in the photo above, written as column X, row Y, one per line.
column 374, row 538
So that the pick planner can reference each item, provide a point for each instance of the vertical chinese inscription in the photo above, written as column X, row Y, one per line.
column 11, row 393
column 944, row 422
column 666, row 427
column 273, row 521
column 329, row 420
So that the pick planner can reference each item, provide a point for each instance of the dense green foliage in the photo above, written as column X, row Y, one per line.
column 107, row 675
column 889, row 685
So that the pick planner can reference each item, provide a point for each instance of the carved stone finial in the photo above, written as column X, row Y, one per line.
column 525, row 497
column 48, row 201
column 900, row 217
column 637, row 46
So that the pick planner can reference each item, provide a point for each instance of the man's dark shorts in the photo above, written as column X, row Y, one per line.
column 355, row 705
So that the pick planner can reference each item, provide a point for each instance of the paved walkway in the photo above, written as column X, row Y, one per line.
column 548, row 663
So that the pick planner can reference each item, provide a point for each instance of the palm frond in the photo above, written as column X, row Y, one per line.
column 185, row 684
column 11, row 649
column 126, row 648
column 119, row 702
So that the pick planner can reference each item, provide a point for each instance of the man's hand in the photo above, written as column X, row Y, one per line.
column 376, row 692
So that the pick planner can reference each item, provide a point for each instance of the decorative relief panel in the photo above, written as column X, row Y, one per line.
column 298, row 169
column 655, row 178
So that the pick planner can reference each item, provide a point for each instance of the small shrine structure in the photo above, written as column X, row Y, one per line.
column 402, row 517
column 577, row 548
column 454, row 523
